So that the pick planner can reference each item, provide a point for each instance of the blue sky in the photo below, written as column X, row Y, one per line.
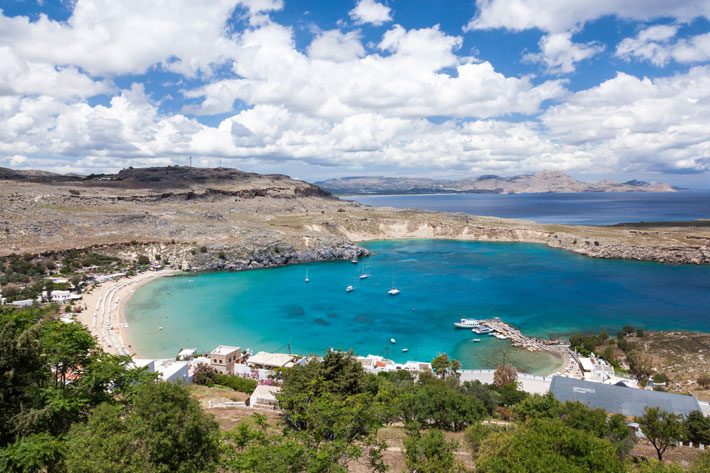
column 319, row 89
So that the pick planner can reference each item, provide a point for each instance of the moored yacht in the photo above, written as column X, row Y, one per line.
column 394, row 291
column 467, row 323
column 349, row 289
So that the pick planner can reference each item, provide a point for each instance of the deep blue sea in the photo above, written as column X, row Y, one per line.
column 590, row 208
column 542, row 291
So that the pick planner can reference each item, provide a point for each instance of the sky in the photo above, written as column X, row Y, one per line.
column 327, row 88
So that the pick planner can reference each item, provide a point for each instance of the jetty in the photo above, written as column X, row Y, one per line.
column 517, row 338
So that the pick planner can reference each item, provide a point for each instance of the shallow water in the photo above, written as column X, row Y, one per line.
column 540, row 290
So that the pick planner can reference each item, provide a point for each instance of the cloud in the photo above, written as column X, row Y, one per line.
column 19, row 76
column 658, row 124
column 557, row 16
column 105, row 37
column 369, row 11
column 559, row 54
column 336, row 46
column 418, row 74
column 655, row 44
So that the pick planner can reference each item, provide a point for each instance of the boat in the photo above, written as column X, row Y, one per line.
column 394, row 291
column 467, row 323
column 354, row 260
column 405, row 350
column 362, row 273
column 482, row 329
column 349, row 289
column 307, row 280
column 160, row 328
column 393, row 340
column 476, row 340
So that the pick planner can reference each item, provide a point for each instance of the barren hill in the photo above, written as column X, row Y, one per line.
column 248, row 220
column 541, row 182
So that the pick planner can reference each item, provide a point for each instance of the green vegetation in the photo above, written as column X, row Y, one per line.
column 68, row 407
column 207, row 376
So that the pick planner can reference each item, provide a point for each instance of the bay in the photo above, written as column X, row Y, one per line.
column 587, row 208
column 542, row 291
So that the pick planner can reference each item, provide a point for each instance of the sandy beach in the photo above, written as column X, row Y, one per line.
column 105, row 310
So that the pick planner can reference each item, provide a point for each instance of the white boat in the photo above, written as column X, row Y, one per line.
column 405, row 350
column 160, row 328
column 307, row 280
column 476, row 340
column 362, row 273
column 467, row 323
column 393, row 340
column 354, row 260
column 394, row 291
column 349, row 289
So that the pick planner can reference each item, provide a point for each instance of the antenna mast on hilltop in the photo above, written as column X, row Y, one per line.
column 190, row 161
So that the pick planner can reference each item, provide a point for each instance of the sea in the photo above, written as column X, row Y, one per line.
column 542, row 291
column 588, row 208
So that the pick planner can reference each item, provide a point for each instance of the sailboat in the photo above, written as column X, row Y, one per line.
column 394, row 291
column 362, row 273
column 307, row 280
column 354, row 260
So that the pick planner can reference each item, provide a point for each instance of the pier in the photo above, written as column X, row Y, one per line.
column 516, row 337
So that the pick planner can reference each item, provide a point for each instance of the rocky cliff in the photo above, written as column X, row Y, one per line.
column 223, row 219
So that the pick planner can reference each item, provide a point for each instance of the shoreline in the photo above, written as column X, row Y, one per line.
column 105, row 311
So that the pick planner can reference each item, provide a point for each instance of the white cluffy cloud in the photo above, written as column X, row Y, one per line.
column 655, row 44
column 559, row 54
column 407, row 81
column 563, row 15
column 661, row 124
column 107, row 37
column 369, row 11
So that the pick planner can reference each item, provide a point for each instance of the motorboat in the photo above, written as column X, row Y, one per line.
column 482, row 329
column 467, row 323
column 307, row 280
column 405, row 350
column 362, row 273
column 476, row 340
column 393, row 340
column 349, row 289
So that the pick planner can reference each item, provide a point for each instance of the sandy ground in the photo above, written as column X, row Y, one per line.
column 105, row 307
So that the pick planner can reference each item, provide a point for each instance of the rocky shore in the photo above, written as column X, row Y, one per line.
column 223, row 219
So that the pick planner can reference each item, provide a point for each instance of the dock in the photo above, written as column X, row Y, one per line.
column 516, row 337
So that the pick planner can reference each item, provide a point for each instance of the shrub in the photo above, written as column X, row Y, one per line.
column 704, row 381
column 237, row 383
column 143, row 260
column 203, row 249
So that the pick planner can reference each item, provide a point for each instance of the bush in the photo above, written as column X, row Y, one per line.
column 704, row 381
column 203, row 249
column 243, row 385
column 628, row 329
column 639, row 332
column 143, row 260
column 221, row 255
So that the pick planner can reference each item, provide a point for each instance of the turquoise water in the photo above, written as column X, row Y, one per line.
column 542, row 291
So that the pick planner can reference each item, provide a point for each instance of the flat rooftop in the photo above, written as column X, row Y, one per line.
column 223, row 350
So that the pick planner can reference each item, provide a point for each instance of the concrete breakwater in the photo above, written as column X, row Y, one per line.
column 517, row 338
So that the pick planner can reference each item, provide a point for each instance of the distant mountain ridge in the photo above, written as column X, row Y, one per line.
column 546, row 181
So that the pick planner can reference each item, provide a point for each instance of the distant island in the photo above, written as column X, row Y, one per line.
column 542, row 182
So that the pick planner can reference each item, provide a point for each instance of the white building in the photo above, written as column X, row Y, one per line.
column 223, row 357
column 187, row 353
column 171, row 370
column 264, row 397
column 270, row 360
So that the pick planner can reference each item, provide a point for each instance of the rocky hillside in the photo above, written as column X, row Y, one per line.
column 211, row 219
column 542, row 182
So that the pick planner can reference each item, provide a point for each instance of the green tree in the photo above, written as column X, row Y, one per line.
column 697, row 428
column 441, row 365
column 547, row 446
column 143, row 260
column 161, row 429
column 429, row 452
column 40, row 452
column 661, row 428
